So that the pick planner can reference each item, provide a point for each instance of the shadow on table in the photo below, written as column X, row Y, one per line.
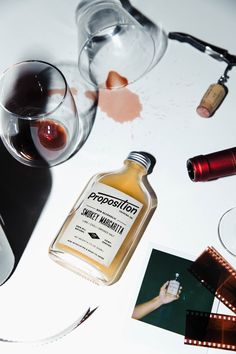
column 23, row 194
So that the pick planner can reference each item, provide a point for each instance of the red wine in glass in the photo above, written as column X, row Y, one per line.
column 51, row 135
column 39, row 123
column 40, row 139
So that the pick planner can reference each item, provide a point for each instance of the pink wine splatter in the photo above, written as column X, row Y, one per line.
column 121, row 104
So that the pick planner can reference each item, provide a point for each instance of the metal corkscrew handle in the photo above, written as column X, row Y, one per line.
column 217, row 92
column 215, row 52
column 224, row 78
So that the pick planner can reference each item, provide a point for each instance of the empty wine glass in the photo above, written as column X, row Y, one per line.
column 227, row 230
column 114, row 48
column 40, row 125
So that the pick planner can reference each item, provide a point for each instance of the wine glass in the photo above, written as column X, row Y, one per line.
column 227, row 230
column 40, row 125
column 114, row 48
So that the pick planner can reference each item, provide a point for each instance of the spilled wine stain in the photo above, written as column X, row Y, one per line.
column 121, row 104
column 114, row 80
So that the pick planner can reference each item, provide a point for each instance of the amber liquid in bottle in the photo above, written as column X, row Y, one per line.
column 114, row 210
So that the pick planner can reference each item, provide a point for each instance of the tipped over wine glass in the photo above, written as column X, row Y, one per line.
column 40, row 125
column 111, row 40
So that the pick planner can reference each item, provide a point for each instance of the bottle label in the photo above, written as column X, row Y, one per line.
column 173, row 287
column 100, row 224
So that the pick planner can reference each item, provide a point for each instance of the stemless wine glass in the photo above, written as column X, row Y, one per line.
column 114, row 48
column 227, row 230
column 39, row 121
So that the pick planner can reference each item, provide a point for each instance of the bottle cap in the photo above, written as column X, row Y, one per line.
column 212, row 166
column 142, row 157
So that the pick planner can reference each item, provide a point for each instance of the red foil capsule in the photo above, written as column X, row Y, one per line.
column 212, row 166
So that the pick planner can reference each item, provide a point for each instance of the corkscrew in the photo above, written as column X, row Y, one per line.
column 216, row 93
column 224, row 78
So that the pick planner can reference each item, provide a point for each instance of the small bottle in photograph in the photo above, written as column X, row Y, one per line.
column 173, row 286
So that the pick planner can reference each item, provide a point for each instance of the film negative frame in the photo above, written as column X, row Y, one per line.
column 217, row 275
column 210, row 330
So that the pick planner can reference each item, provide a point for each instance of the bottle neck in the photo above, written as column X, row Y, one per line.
column 135, row 168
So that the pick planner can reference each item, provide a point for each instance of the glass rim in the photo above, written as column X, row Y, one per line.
column 36, row 116
column 227, row 212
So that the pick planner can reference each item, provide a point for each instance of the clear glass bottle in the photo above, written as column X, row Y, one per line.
column 173, row 287
column 106, row 223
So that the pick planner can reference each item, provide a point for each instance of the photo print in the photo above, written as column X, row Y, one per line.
column 168, row 290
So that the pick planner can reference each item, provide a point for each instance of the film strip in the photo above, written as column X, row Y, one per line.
column 211, row 329
column 217, row 275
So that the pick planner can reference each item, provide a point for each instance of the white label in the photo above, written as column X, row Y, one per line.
column 173, row 287
column 101, row 223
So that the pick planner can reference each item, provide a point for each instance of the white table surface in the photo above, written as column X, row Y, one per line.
column 168, row 127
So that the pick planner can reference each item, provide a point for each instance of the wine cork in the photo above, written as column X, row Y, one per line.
column 211, row 100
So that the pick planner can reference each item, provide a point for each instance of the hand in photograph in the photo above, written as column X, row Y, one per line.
column 153, row 304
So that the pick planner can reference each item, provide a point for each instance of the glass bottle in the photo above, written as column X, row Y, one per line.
column 107, row 221
column 173, row 286
column 215, row 165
